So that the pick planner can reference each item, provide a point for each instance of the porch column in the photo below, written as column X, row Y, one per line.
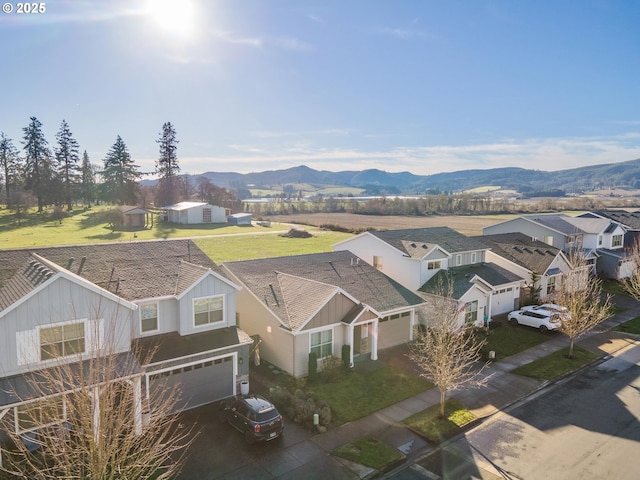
column 350, row 329
column 488, row 309
column 137, row 405
column 95, row 407
column 2, row 414
column 374, row 339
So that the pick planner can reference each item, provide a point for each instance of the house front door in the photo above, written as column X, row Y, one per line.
column 361, row 344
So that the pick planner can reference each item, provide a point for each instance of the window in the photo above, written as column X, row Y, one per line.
column 473, row 257
column 458, row 260
column 599, row 240
column 322, row 343
column 548, row 239
column 61, row 340
column 40, row 413
column 471, row 312
column 208, row 310
column 377, row 262
column 551, row 285
column 616, row 241
column 435, row 265
column 149, row 317
column 206, row 215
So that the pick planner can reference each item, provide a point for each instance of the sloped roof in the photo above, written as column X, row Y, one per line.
column 417, row 242
column 571, row 225
column 22, row 279
column 183, row 205
column 628, row 219
column 461, row 278
column 132, row 270
column 534, row 255
column 309, row 280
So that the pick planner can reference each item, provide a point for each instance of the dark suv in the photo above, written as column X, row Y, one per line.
column 254, row 416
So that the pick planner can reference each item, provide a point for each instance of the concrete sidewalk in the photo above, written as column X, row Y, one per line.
column 501, row 390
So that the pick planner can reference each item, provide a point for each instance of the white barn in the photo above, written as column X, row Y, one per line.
column 194, row 213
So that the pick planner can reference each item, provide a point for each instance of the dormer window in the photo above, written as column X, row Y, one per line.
column 435, row 265
column 377, row 262
column 616, row 241
column 208, row 310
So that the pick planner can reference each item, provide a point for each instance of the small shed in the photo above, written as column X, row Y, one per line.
column 239, row 219
column 134, row 216
column 194, row 213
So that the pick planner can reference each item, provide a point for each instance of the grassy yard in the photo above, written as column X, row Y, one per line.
column 435, row 428
column 507, row 340
column 369, row 451
column 360, row 393
column 86, row 226
column 632, row 326
column 557, row 364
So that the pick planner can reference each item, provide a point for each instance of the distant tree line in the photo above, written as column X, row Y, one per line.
column 38, row 174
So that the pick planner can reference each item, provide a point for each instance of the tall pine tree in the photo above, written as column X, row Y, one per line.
column 68, row 170
column 167, row 167
column 120, row 175
column 9, row 165
column 88, row 180
column 38, row 168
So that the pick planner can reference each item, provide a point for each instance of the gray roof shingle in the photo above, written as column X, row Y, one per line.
column 416, row 242
column 460, row 278
column 293, row 287
column 522, row 250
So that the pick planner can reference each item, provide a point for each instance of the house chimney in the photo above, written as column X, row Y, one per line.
column 69, row 263
column 82, row 260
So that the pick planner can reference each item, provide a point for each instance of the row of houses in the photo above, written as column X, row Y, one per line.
column 183, row 320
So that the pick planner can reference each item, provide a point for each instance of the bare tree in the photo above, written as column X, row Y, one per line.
column 89, row 420
column 632, row 282
column 446, row 350
column 581, row 294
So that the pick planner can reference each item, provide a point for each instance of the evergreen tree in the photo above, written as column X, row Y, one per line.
column 88, row 180
column 67, row 168
column 167, row 166
column 38, row 168
column 9, row 165
column 120, row 175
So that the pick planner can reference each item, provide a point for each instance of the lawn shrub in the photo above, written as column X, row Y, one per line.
column 313, row 366
column 300, row 406
column 332, row 369
column 346, row 357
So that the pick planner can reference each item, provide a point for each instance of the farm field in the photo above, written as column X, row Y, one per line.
column 467, row 225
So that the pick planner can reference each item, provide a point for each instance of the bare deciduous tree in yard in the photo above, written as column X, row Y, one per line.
column 446, row 350
column 632, row 282
column 101, row 428
column 581, row 294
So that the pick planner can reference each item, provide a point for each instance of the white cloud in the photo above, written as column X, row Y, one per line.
column 233, row 38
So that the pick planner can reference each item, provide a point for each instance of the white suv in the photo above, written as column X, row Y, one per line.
column 543, row 320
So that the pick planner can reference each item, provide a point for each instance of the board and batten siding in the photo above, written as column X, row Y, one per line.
column 62, row 301
column 209, row 286
column 332, row 313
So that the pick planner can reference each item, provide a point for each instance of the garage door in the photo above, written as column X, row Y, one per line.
column 199, row 384
column 502, row 301
column 394, row 330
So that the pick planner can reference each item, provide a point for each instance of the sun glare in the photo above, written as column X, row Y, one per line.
column 175, row 16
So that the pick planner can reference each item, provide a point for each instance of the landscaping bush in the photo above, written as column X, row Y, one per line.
column 331, row 369
column 346, row 357
column 300, row 406
column 313, row 367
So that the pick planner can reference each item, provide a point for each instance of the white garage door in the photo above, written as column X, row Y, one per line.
column 502, row 301
column 199, row 384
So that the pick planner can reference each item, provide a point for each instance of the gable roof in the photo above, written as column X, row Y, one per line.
column 629, row 219
column 534, row 255
column 461, row 278
column 131, row 270
column 571, row 225
column 294, row 287
column 183, row 206
column 417, row 242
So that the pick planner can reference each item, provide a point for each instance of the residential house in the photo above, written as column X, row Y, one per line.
column 415, row 257
column 163, row 307
column 190, row 213
column 600, row 240
column 318, row 303
column 542, row 264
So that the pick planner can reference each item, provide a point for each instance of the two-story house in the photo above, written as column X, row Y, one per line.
column 164, row 307
column 542, row 264
column 319, row 302
column 594, row 237
column 418, row 259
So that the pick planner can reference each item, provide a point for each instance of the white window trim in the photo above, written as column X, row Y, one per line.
column 458, row 260
column 474, row 257
column 150, row 332
column 320, row 330
column 84, row 321
column 205, row 325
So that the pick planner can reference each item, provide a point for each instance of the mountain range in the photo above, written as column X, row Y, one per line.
column 623, row 175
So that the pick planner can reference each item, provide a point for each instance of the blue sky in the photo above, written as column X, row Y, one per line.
column 421, row 86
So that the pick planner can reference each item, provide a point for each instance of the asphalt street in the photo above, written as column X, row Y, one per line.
column 585, row 427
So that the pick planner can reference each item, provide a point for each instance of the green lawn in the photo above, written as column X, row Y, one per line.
column 435, row 428
column 557, row 364
column 358, row 394
column 245, row 247
column 84, row 226
column 507, row 340
column 371, row 452
column 632, row 326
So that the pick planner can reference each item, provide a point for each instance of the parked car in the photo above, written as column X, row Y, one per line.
column 550, row 307
column 254, row 416
column 543, row 320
